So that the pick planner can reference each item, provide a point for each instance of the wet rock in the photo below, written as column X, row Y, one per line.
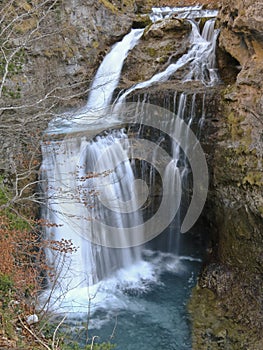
column 162, row 43
column 141, row 21
column 160, row 28
column 216, row 278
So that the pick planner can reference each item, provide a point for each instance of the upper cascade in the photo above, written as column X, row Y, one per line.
column 189, row 12
column 108, row 74
column 200, row 59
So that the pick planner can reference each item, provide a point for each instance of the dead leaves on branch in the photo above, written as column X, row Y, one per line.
column 23, row 253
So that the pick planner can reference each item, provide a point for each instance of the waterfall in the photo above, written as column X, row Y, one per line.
column 108, row 74
column 72, row 202
column 92, row 193
column 200, row 57
column 159, row 13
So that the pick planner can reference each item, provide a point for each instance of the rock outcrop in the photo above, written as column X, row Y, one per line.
column 161, row 44
column 228, row 304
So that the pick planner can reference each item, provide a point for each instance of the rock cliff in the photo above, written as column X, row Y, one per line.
column 227, row 304
column 49, row 53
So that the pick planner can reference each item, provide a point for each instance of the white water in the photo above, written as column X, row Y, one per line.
column 108, row 74
column 193, row 12
column 74, row 197
column 101, row 89
column 203, row 67
column 200, row 58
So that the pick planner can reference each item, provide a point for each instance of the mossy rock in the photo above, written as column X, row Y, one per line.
column 141, row 21
column 109, row 5
column 217, row 324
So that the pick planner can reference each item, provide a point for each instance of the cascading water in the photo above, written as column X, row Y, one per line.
column 108, row 74
column 200, row 57
column 89, row 187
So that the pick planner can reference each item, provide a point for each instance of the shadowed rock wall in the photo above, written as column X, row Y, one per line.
column 227, row 305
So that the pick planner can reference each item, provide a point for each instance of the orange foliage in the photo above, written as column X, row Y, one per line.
column 18, row 256
column 22, row 255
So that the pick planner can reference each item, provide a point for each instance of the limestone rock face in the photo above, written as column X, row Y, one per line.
column 80, row 33
column 57, row 48
column 238, row 168
column 235, row 204
column 162, row 43
column 242, row 37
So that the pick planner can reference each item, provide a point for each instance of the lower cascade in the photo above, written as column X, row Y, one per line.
column 121, row 182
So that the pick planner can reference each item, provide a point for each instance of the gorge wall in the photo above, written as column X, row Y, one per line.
column 58, row 47
column 227, row 303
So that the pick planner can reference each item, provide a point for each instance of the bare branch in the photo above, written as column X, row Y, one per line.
column 34, row 334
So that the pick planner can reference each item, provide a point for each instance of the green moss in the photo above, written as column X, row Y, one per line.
column 214, row 327
column 202, row 22
column 233, row 123
column 260, row 209
column 6, row 313
column 142, row 21
column 109, row 6
column 8, row 322
column 95, row 44
column 228, row 90
column 69, row 344
column 162, row 59
column 15, row 221
column 6, row 284
column 240, row 161
column 6, row 293
column 152, row 52
column 253, row 178
column 15, row 67
column 3, row 196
